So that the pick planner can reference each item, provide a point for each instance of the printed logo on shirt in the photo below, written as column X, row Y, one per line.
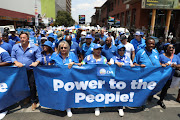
column 156, row 57
column 30, row 51
column 105, row 71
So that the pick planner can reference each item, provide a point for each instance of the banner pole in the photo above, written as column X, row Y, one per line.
column 168, row 19
column 153, row 22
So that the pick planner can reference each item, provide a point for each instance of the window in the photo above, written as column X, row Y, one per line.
column 128, row 18
column 133, row 17
column 122, row 19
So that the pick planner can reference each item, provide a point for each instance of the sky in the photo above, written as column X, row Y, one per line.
column 84, row 7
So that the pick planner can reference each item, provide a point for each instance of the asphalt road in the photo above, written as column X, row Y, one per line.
column 153, row 112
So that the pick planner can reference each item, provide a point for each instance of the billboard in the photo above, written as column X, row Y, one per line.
column 81, row 19
column 161, row 4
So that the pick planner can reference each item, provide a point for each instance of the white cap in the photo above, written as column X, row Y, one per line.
column 83, row 33
column 11, row 30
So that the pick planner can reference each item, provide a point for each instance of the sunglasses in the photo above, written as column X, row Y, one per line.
column 171, row 47
column 121, row 50
column 64, row 47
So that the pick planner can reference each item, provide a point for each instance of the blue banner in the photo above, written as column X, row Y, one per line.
column 13, row 86
column 98, row 85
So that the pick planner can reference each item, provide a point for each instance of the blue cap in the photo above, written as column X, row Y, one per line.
column 142, row 33
column 166, row 44
column 121, row 33
column 88, row 37
column 137, row 33
column 51, row 35
column 120, row 46
column 48, row 43
column 96, row 46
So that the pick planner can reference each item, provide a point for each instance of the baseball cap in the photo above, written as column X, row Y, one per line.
column 96, row 46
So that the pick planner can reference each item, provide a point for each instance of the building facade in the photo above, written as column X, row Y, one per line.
column 133, row 17
column 18, row 12
column 63, row 5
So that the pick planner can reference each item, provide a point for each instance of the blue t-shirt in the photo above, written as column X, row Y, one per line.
column 90, row 60
column 147, row 58
column 117, row 41
column 178, row 55
column 76, row 40
column 87, row 50
column 75, row 48
column 138, row 44
column 103, row 38
column 7, row 47
column 45, row 58
column 57, row 59
column 163, row 59
column 11, row 42
column 109, row 52
column 15, row 38
column 31, row 54
column 125, row 60
column 4, row 56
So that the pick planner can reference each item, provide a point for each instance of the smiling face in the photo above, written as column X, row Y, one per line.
column 150, row 44
column 97, row 52
column 64, row 49
column 170, row 49
column 121, row 51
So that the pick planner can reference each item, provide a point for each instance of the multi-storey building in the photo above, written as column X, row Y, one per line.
column 133, row 16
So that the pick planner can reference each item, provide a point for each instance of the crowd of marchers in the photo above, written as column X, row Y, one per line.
column 86, row 46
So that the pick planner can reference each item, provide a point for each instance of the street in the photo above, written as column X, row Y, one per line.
column 153, row 111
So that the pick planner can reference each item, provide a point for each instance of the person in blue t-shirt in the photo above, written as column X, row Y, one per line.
column 51, row 38
column 102, row 36
column 109, row 50
column 168, row 58
column 138, row 42
column 46, row 53
column 13, row 36
column 147, row 56
column 95, row 58
column 74, row 47
column 5, row 46
column 7, row 40
column 5, row 59
column 121, row 60
column 87, row 47
column 63, row 56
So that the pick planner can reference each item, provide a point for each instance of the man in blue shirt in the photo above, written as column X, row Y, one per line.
column 74, row 47
column 7, row 40
column 5, row 58
column 5, row 46
column 28, row 55
column 13, row 36
column 138, row 42
column 109, row 50
column 87, row 47
column 147, row 56
column 102, row 36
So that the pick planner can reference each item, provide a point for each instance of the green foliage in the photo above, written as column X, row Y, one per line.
column 64, row 18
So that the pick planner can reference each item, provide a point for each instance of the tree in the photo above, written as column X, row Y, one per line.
column 64, row 18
